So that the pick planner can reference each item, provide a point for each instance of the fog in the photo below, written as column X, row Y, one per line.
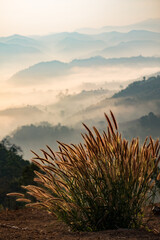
column 49, row 97
column 56, row 80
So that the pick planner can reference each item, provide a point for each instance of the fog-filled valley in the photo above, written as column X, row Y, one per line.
column 50, row 84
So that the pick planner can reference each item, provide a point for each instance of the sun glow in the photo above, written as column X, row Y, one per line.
column 42, row 17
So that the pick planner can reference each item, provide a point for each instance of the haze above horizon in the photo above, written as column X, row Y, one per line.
column 43, row 17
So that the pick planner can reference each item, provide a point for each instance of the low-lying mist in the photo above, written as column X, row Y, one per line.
column 56, row 102
column 50, row 84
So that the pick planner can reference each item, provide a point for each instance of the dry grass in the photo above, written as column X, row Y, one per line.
column 101, row 184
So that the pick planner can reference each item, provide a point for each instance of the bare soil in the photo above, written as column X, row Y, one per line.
column 33, row 224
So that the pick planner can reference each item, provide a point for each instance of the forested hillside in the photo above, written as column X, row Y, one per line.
column 146, row 89
column 14, row 172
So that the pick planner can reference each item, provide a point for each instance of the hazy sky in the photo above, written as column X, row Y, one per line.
column 46, row 16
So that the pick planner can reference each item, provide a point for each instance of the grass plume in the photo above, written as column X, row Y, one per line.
column 104, row 183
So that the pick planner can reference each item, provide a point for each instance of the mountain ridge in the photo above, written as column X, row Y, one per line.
column 56, row 68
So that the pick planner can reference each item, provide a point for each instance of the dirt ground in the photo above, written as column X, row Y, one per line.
column 34, row 224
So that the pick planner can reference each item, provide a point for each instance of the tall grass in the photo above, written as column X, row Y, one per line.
column 104, row 183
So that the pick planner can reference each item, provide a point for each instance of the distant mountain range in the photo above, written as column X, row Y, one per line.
column 19, row 40
column 105, row 36
column 150, row 25
column 132, row 48
column 50, row 70
column 17, row 45
column 83, row 44
column 77, row 45
column 36, row 137
column 8, row 51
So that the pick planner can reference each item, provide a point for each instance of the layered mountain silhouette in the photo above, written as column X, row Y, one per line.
column 132, row 48
column 38, row 136
column 17, row 46
column 150, row 25
column 74, row 44
column 50, row 70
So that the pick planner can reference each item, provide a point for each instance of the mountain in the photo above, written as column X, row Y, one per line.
column 16, row 46
column 113, row 38
column 56, row 37
column 34, row 137
column 11, row 118
column 148, row 125
column 73, row 44
column 21, row 111
column 41, row 71
column 132, row 48
column 145, row 89
column 11, row 50
column 65, row 108
column 149, row 25
column 17, row 52
column 74, row 41
column 19, row 40
column 99, row 61
column 70, row 45
column 49, row 70
column 139, row 98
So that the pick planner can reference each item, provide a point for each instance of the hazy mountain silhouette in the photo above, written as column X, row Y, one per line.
column 8, row 51
column 36, row 137
column 71, row 42
column 132, row 48
column 41, row 71
column 16, row 46
column 133, row 35
column 134, row 101
column 69, row 45
column 148, row 125
column 49, row 70
column 150, row 25
column 21, row 111
column 19, row 40
column 84, row 44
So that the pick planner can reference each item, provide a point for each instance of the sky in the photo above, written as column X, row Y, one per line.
column 38, row 17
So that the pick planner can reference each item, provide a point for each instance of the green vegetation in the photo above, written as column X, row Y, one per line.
column 148, row 125
column 104, row 183
column 145, row 89
column 14, row 172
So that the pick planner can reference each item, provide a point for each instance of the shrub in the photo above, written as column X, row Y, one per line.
column 104, row 183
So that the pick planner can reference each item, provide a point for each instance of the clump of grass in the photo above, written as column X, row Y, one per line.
column 104, row 183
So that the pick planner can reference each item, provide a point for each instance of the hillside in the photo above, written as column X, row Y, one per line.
column 146, row 89
column 134, row 101
column 21, row 111
column 148, row 125
column 12, row 166
column 35, row 137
